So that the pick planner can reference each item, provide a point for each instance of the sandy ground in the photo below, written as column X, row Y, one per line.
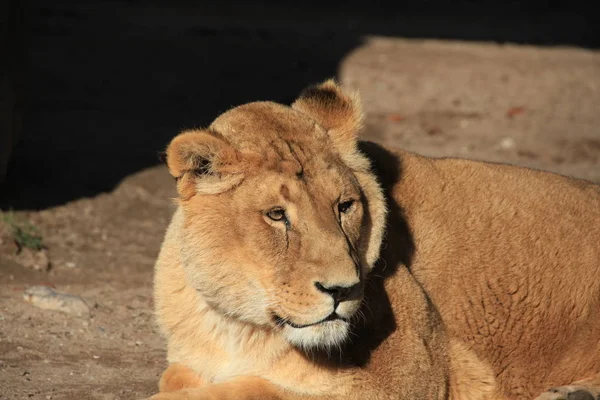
column 523, row 105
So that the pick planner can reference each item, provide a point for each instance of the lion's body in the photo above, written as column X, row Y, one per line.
column 511, row 259
column 487, row 285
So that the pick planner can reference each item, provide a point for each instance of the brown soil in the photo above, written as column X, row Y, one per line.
column 523, row 105
column 103, row 249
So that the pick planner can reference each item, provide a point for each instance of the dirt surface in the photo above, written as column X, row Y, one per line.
column 103, row 249
column 524, row 105
column 528, row 106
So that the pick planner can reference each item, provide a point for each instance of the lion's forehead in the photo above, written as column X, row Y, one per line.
column 285, row 141
column 261, row 125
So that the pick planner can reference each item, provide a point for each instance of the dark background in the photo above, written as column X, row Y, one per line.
column 109, row 83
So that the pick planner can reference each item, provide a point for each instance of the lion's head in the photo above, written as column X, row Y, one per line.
column 282, row 217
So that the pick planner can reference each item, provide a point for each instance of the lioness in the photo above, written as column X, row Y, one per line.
column 270, row 283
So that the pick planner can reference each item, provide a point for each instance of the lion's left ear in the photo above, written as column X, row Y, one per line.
column 338, row 112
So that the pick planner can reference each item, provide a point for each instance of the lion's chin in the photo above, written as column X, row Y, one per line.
column 324, row 335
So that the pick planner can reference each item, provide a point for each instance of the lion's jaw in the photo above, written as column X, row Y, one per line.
column 282, row 218
column 324, row 335
column 327, row 332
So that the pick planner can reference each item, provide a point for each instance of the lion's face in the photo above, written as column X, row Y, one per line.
column 280, row 230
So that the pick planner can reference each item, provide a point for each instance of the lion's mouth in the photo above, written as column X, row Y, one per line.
column 285, row 321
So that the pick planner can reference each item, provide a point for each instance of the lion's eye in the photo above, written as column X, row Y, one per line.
column 345, row 206
column 277, row 214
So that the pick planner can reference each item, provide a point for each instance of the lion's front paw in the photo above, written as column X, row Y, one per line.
column 178, row 377
column 187, row 394
column 570, row 392
column 160, row 396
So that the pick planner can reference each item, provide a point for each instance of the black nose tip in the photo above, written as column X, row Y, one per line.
column 339, row 293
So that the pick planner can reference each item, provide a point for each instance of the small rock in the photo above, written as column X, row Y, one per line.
column 395, row 117
column 70, row 264
column 96, row 357
column 467, row 148
column 49, row 299
column 34, row 259
column 508, row 143
column 513, row 111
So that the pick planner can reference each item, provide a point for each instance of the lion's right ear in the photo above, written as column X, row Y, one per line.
column 202, row 163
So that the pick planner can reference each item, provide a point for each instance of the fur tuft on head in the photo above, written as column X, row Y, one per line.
column 338, row 112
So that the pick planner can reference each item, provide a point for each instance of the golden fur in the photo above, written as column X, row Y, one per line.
column 486, row 286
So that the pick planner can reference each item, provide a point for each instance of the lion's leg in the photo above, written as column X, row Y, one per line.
column 585, row 389
column 177, row 377
column 238, row 389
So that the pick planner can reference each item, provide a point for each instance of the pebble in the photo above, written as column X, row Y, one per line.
column 467, row 148
column 508, row 143
column 47, row 298
column 34, row 259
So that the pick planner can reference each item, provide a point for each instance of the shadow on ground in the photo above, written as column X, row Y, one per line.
column 111, row 82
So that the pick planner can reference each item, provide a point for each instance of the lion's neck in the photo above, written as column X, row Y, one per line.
column 216, row 346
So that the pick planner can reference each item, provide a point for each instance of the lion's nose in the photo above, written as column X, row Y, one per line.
column 339, row 293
